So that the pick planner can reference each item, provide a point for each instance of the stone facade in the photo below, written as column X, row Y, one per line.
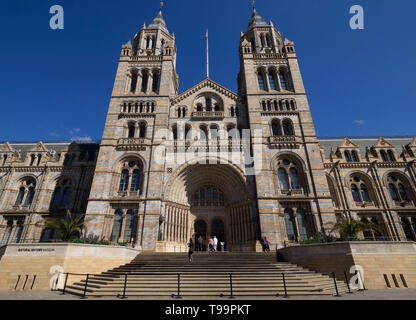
column 209, row 161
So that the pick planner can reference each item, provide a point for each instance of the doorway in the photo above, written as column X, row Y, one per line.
column 218, row 230
column 200, row 228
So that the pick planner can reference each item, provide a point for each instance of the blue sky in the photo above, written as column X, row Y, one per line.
column 56, row 85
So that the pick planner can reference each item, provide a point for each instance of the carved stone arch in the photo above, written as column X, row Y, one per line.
column 367, row 178
column 299, row 165
column 404, row 179
column 125, row 157
column 226, row 176
column 275, row 158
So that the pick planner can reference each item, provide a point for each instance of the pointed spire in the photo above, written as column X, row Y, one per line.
column 256, row 19
column 159, row 22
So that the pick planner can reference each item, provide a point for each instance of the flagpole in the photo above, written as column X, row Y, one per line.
column 206, row 37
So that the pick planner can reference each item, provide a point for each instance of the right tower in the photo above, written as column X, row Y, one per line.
column 294, row 200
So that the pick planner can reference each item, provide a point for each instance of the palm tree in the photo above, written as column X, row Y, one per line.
column 68, row 227
column 349, row 228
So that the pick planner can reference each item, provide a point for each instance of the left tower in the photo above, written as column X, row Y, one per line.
column 126, row 194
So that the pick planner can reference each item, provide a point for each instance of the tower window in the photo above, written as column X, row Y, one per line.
column 272, row 82
column 145, row 80
column 155, row 86
column 261, row 81
column 133, row 82
column 283, row 82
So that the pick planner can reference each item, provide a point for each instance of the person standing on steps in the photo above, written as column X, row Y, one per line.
column 191, row 250
column 215, row 243
column 200, row 241
column 266, row 245
column 211, row 244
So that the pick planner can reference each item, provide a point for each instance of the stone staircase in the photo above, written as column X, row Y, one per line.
column 253, row 274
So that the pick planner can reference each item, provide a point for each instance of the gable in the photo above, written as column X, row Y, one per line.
column 382, row 143
column 203, row 86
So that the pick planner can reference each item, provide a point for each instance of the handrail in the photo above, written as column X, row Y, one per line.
column 225, row 274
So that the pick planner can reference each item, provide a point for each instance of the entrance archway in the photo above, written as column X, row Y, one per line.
column 210, row 199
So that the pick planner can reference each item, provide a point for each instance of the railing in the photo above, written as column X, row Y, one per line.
column 211, row 144
column 131, row 144
column 269, row 55
column 146, row 58
column 231, row 277
column 208, row 115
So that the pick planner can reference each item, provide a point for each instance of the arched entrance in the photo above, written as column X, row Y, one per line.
column 206, row 200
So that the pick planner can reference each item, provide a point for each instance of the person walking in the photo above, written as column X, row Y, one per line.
column 211, row 244
column 200, row 241
column 191, row 250
column 266, row 245
column 215, row 243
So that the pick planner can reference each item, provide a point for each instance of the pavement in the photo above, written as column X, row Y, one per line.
column 393, row 294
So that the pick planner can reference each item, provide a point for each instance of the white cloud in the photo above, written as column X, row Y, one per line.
column 82, row 139
column 359, row 122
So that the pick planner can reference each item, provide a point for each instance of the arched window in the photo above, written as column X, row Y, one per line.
column 232, row 111
column 4, row 160
column 155, row 86
column 393, row 192
column 142, row 130
column 397, row 188
column 302, row 224
column 65, row 197
column 7, row 233
column 276, row 106
column 275, row 128
column 407, row 229
column 29, row 198
column 184, row 112
column 271, row 81
column 263, row 104
column 124, row 182
column 347, row 156
column 18, row 232
column 131, row 177
column 289, row 175
column 199, row 108
column 39, row 159
column 134, row 78
column 354, row 156
column 402, row 192
column 61, row 194
column 390, row 156
column 364, row 193
column 179, row 112
column 20, row 197
column 383, row 156
column 145, row 80
column 175, row 133
column 359, row 190
column 355, row 194
column 26, row 192
column 130, row 226
column 294, row 179
column 290, row 225
column 283, row 179
column 283, row 82
column 288, row 128
column 208, row 104
column 32, row 160
column 208, row 196
column 132, row 130
column 135, row 181
column 118, row 221
column 261, row 81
